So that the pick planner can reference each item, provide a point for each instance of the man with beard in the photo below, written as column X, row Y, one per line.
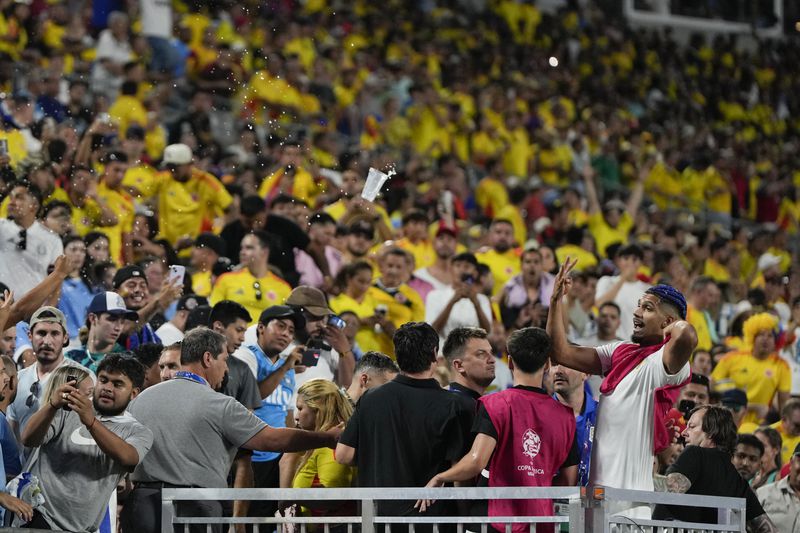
column 131, row 283
column 28, row 248
column 231, row 319
column 439, row 274
column 572, row 389
column 522, row 293
column 48, row 335
column 503, row 260
column 86, row 449
column 640, row 385
column 359, row 240
column 747, row 456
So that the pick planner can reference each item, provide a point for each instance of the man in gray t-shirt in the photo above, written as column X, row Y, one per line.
column 196, row 433
column 85, row 451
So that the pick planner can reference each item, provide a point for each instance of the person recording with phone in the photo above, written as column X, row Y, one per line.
column 462, row 304
column 275, row 374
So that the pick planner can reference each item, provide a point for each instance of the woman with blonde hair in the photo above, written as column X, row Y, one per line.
column 321, row 405
column 80, row 377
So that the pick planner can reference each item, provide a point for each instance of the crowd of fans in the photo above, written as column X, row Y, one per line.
column 181, row 181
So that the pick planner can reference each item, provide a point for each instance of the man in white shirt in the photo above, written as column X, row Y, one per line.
column 48, row 336
column 172, row 331
column 440, row 274
column 461, row 305
column 623, row 289
column 27, row 248
column 628, row 427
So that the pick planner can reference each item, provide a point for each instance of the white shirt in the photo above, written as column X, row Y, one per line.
column 425, row 275
column 22, row 270
column 156, row 18
column 463, row 313
column 627, row 299
column 169, row 334
column 622, row 455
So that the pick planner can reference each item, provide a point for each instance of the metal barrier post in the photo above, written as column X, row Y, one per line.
column 576, row 514
column 167, row 512
column 368, row 516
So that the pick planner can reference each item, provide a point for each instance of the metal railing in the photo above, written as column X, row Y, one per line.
column 576, row 510
column 368, row 497
column 604, row 515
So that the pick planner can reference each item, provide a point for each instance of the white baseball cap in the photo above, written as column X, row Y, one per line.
column 177, row 154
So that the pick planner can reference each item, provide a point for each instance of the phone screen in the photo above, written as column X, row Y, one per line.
column 310, row 357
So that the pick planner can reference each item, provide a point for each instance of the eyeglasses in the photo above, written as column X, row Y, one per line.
column 34, row 394
column 22, row 244
column 257, row 288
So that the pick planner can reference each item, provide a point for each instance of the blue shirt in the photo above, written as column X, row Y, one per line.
column 584, row 433
column 12, row 464
column 75, row 300
column 276, row 406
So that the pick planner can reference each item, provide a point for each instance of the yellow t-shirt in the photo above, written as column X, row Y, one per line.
column 423, row 252
column 716, row 271
column 789, row 442
column 366, row 337
column 491, row 196
column 201, row 283
column 87, row 217
column 302, row 186
column 240, row 286
column 322, row 470
column 503, row 266
column 143, row 178
column 585, row 259
column 184, row 208
column 604, row 235
column 126, row 111
column 405, row 306
column 338, row 209
column 760, row 379
column 698, row 320
column 120, row 203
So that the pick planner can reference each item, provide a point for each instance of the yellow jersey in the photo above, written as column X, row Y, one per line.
column 338, row 209
column 585, row 259
column 504, row 266
column 367, row 338
column 255, row 294
column 491, row 196
column 120, row 203
column 698, row 319
column 201, row 283
column 761, row 379
column 405, row 306
column 789, row 442
column 423, row 252
column 185, row 208
column 604, row 235
column 301, row 186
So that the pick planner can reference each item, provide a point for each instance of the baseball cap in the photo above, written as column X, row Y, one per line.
column 215, row 243
column 125, row 273
column 734, row 398
column 677, row 419
column 177, row 154
column 282, row 311
column 311, row 299
column 111, row 303
column 49, row 314
column 448, row 230
column 189, row 302
column 362, row 228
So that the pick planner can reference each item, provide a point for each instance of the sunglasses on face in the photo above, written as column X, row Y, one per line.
column 22, row 243
column 257, row 288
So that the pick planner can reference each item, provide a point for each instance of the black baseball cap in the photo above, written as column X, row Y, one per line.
column 282, row 311
column 213, row 242
column 125, row 273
